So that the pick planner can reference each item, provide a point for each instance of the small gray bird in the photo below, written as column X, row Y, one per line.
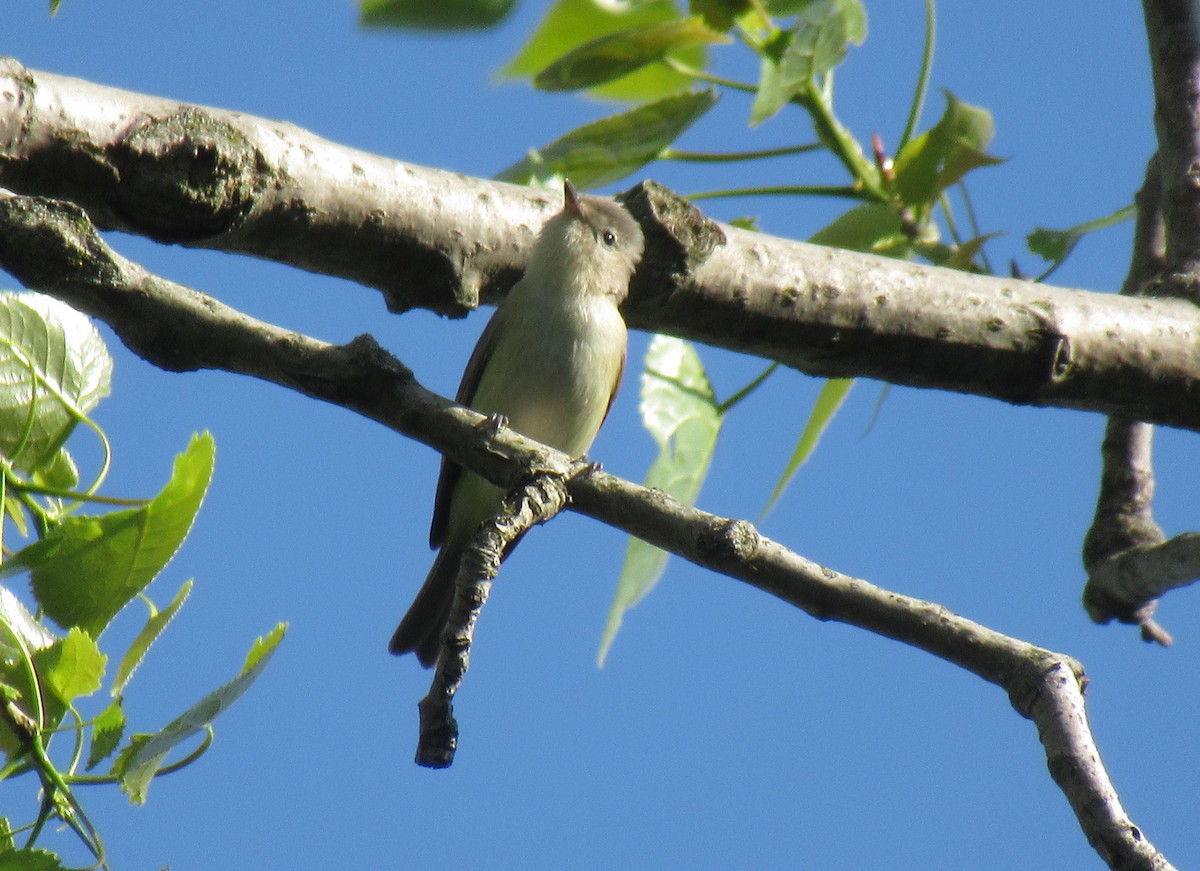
column 550, row 360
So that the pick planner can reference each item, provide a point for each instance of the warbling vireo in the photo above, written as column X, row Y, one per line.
column 550, row 361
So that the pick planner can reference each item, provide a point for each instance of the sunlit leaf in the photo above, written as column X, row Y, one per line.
column 788, row 8
column 59, row 472
column 612, row 148
column 720, row 14
column 69, row 668
column 815, row 44
column 618, row 54
column 681, row 413
column 946, row 152
column 571, row 23
column 868, row 227
column 1056, row 246
column 961, row 256
column 14, row 508
column 433, row 14
column 87, row 568
column 54, row 368
column 21, row 635
column 145, row 755
column 27, row 859
column 155, row 624
column 107, row 729
column 18, row 619
column 829, row 400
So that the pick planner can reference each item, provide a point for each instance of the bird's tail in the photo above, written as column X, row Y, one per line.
column 420, row 631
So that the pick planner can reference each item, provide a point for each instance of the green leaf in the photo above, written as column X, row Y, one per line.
column 107, row 730
column 1056, row 246
column 87, row 569
column 788, row 8
column 571, row 23
column 433, row 14
column 28, row 859
column 829, row 400
column 67, row 669
column 155, row 624
column 815, row 44
column 869, row 227
column 615, row 55
column 960, row 256
column 54, row 368
column 612, row 148
column 60, row 473
column 946, row 152
column 720, row 14
column 138, row 763
column 71, row 667
column 680, row 411
column 17, row 618
column 30, row 638
column 15, row 509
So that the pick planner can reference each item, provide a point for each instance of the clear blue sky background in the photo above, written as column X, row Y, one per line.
column 727, row 730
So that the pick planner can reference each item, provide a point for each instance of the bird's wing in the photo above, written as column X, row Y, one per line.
column 451, row 471
column 616, row 387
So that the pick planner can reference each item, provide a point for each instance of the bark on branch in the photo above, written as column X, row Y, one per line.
column 1128, row 562
column 536, row 501
column 217, row 179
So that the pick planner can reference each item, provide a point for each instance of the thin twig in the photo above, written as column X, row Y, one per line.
column 535, row 502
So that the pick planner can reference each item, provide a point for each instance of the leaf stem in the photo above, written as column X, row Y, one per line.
column 839, row 140
column 74, row 495
column 922, row 89
column 732, row 156
column 705, row 76
column 974, row 222
column 753, row 385
column 817, row 190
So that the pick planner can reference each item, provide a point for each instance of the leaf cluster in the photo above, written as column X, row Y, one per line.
column 84, row 569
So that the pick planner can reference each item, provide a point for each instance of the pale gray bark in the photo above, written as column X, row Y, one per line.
column 427, row 238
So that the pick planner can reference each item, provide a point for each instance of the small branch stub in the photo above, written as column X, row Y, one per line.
column 528, row 505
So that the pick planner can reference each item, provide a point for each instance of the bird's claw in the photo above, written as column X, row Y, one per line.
column 494, row 423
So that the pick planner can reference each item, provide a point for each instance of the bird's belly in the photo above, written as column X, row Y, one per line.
column 556, row 391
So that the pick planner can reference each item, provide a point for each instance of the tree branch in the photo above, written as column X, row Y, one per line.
column 1124, row 524
column 215, row 179
column 536, row 501
column 1173, row 32
column 182, row 329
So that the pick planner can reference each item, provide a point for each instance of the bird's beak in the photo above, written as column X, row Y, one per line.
column 571, row 203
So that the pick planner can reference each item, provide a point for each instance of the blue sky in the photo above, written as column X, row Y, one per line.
column 727, row 730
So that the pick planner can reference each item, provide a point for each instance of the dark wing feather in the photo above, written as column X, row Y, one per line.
column 451, row 471
column 612, row 396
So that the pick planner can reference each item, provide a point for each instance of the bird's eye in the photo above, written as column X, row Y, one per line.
column 610, row 238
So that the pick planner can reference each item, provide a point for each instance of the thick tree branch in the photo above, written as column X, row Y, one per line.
column 215, row 179
column 1173, row 32
column 181, row 329
column 1124, row 527
column 1128, row 563
column 222, row 180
